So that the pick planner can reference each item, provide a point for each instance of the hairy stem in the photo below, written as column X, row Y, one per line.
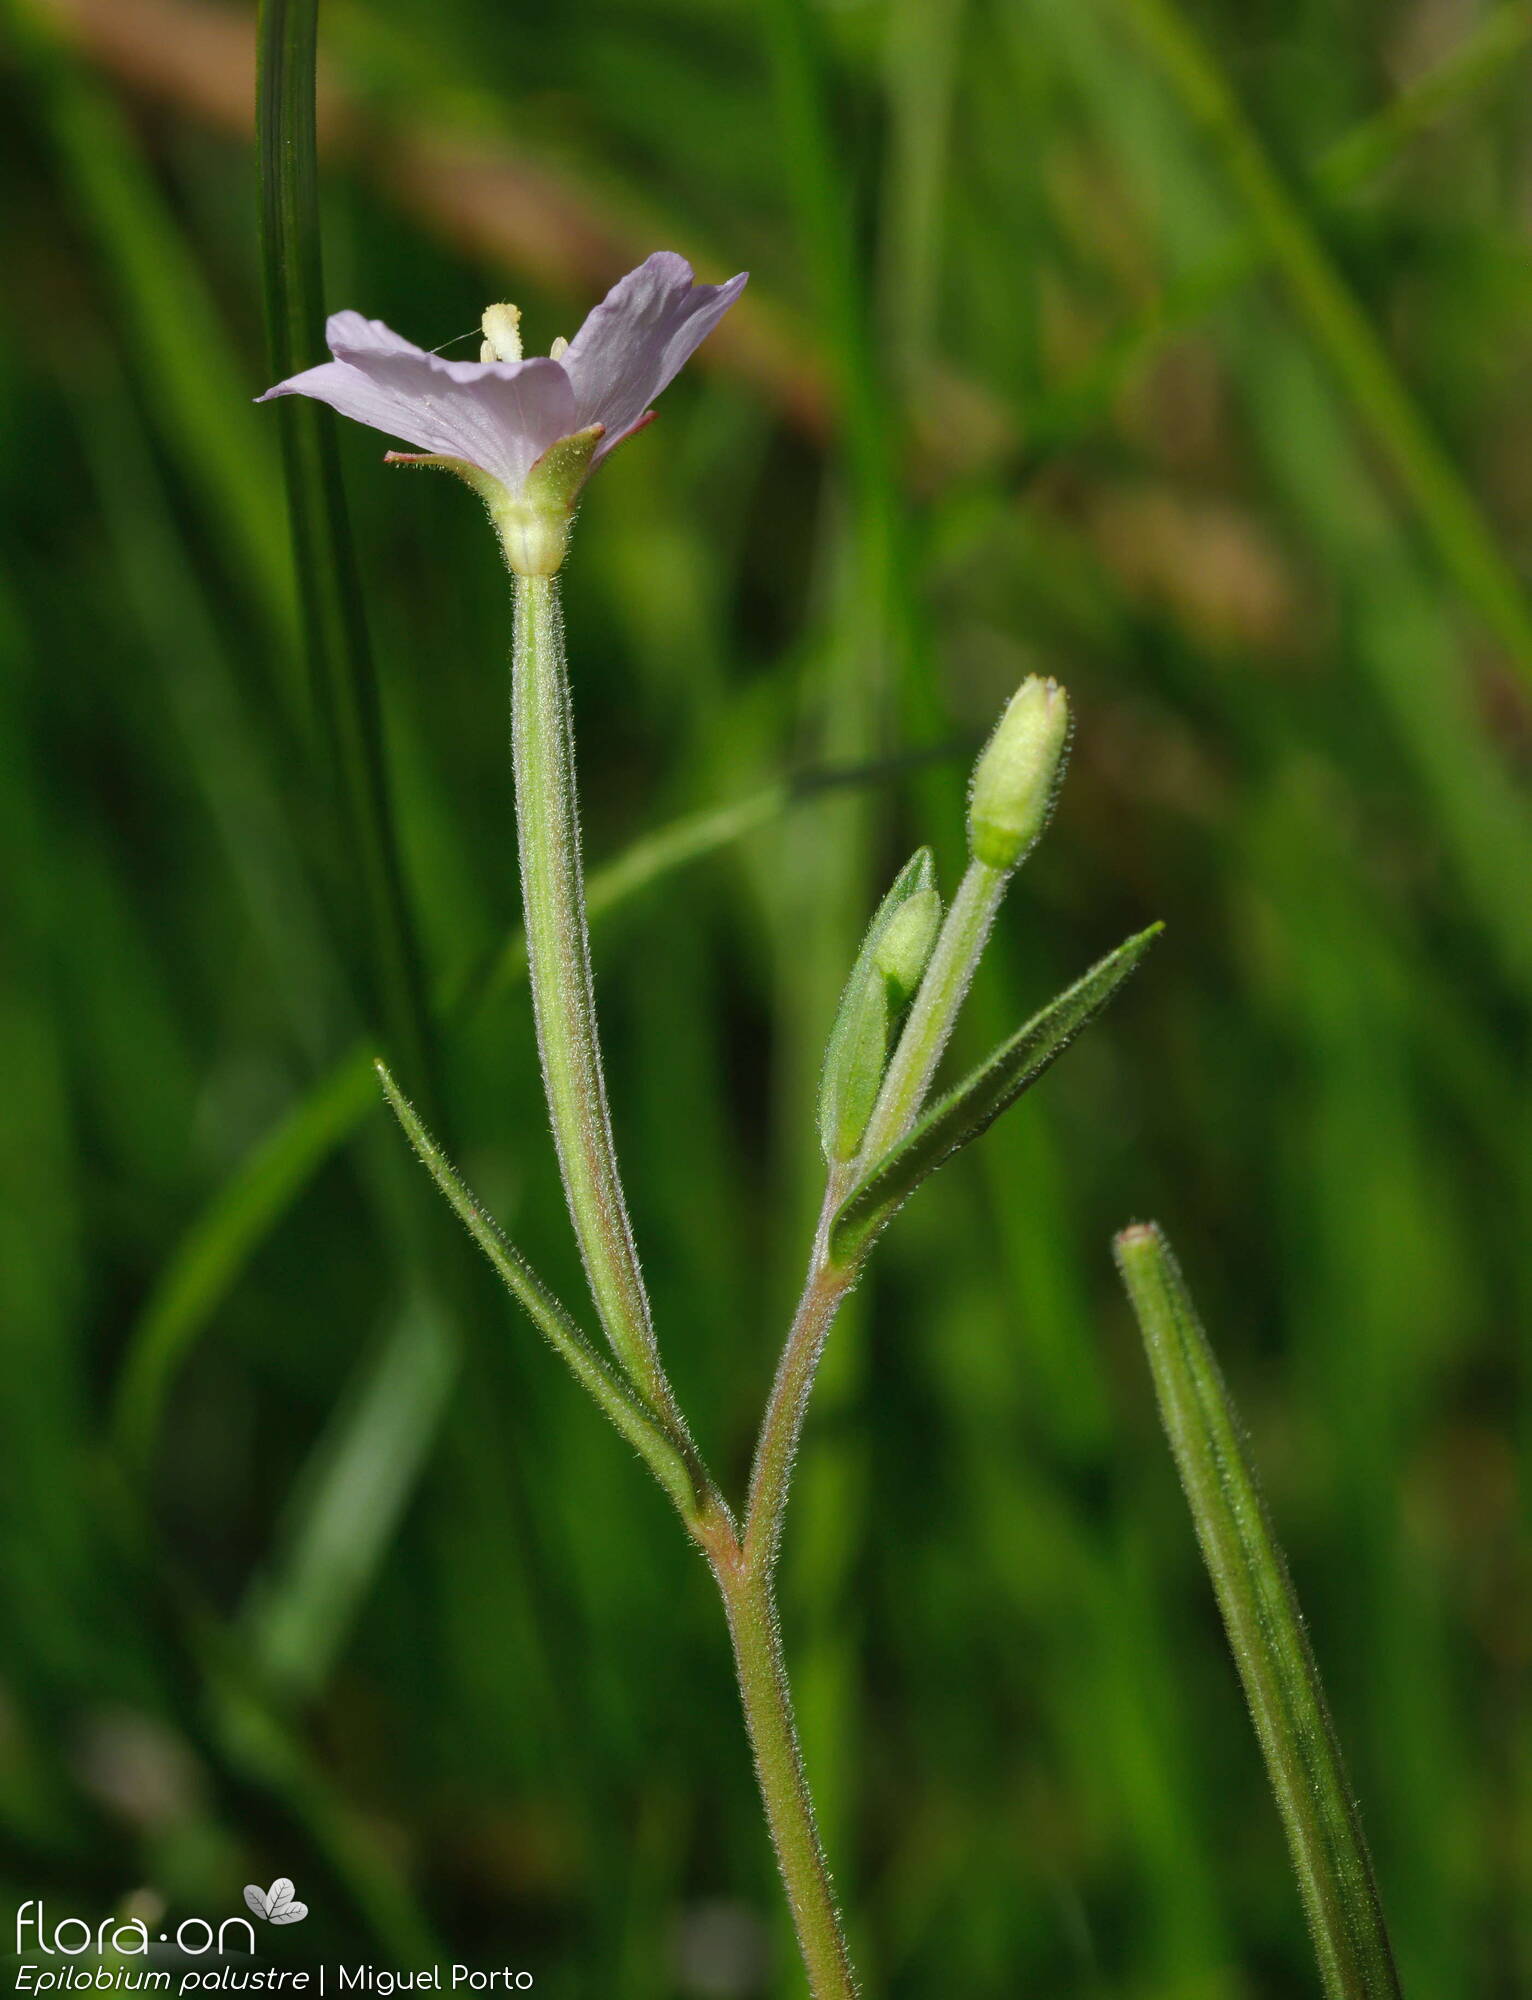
column 558, row 964
column 744, row 1572
column 782, row 1426
column 756, row 1633
column 563, row 993
column 747, row 1584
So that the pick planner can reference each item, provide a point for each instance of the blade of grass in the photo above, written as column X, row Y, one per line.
column 1359, row 157
column 1486, row 52
column 1399, row 1271
column 647, row 860
column 1465, row 542
column 819, row 184
column 344, row 1512
column 215, row 1251
column 333, row 613
column 924, row 44
column 48, row 1550
column 1405, row 643
column 218, row 724
column 207, row 1675
column 1271, row 1649
column 185, row 359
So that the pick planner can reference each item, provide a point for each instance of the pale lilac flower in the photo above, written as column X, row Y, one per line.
column 496, row 419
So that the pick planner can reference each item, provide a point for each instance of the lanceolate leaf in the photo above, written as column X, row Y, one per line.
column 549, row 1316
column 979, row 1099
column 1265, row 1627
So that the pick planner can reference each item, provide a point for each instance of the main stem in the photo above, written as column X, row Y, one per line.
column 757, row 1636
column 563, row 996
column 563, row 992
column 745, row 1575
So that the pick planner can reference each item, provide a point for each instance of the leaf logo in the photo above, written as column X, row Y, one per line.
column 276, row 1904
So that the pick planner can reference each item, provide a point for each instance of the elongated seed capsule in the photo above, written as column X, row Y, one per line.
column 1017, row 776
column 888, row 969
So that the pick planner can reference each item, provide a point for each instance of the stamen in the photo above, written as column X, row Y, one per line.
column 559, row 348
column 502, row 334
column 453, row 341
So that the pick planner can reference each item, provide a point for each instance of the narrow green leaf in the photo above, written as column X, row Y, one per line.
column 974, row 1104
column 1491, row 48
column 215, row 1250
column 162, row 298
column 343, row 1513
column 1265, row 1626
column 1343, row 331
column 1360, row 156
column 857, row 1052
column 637, row 1424
column 333, row 614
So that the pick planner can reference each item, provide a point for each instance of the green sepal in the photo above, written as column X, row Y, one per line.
column 557, row 477
column 974, row 1104
column 489, row 489
column 883, row 980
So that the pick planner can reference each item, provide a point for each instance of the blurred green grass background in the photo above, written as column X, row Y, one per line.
column 1181, row 351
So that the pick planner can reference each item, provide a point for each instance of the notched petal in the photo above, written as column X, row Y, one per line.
column 349, row 333
column 639, row 338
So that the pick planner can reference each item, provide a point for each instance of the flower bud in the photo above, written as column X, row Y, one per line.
column 1017, row 776
column 882, row 983
column 904, row 946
